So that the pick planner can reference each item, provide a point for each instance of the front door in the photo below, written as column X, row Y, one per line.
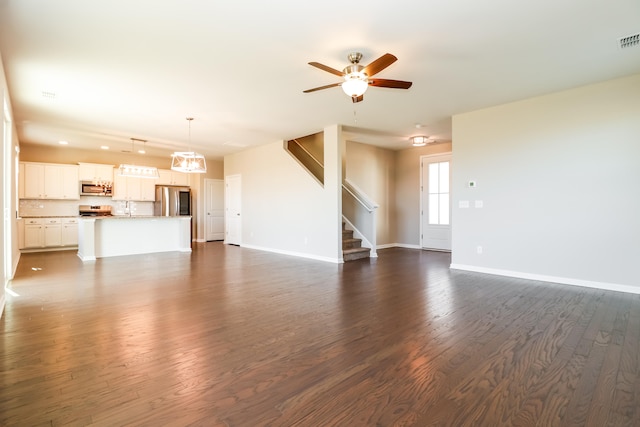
column 233, row 221
column 436, row 202
column 214, row 205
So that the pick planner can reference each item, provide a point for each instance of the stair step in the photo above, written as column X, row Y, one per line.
column 355, row 253
column 351, row 243
column 347, row 234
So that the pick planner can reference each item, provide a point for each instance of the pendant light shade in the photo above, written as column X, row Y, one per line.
column 136, row 171
column 188, row 161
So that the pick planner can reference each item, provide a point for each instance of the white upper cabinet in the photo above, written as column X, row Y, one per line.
column 49, row 181
column 169, row 177
column 134, row 189
column 95, row 172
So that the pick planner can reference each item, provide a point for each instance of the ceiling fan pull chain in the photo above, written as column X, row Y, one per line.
column 355, row 117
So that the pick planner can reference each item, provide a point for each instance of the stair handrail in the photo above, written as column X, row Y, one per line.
column 360, row 196
column 305, row 159
column 308, row 152
column 364, row 227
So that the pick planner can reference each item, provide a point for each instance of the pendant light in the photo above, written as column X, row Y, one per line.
column 136, row 171
column 188, row 161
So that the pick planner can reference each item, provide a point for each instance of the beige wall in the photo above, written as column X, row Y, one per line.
column 314, row 144
column 407, row 191
column 558, row 178
column 372, row 170
column 285, row 209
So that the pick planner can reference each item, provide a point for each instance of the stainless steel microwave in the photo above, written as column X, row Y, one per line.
column 90, row 188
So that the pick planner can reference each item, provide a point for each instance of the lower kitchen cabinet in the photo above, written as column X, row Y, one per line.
column 52, row 232
column 69, row 231
column 33, row 233
column 49, row 233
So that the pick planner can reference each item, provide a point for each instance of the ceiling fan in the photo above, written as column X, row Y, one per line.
column 357, row 77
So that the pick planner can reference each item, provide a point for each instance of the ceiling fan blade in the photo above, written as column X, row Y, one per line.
column 355, row 99
column 327, row 68
column 321, row 87
column 379, row 64
column 395, row 84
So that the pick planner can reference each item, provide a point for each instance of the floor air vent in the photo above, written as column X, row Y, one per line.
column 629, row 41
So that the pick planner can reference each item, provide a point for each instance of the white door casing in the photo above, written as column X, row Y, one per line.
column 233, row 206
column 435, row 202
column 214, row 205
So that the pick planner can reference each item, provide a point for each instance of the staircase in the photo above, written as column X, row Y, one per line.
column 351, row 247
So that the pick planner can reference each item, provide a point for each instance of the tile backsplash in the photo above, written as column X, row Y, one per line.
column 31, row 208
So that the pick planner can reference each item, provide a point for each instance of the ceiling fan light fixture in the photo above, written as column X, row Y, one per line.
column 355, row 84
column 420, row 140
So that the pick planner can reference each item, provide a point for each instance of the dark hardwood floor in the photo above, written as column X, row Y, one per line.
column 228, row 336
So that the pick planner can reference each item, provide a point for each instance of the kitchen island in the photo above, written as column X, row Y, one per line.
column 107, row 236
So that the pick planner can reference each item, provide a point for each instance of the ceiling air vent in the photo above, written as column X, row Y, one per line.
column 629, row 41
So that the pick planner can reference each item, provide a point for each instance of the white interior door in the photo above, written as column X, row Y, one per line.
column 233, row 220
column 214, row 205
column 435, row 201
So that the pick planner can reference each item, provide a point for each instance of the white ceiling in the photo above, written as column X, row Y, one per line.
column 124, row 69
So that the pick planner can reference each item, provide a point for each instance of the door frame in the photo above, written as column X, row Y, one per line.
column 421, row 196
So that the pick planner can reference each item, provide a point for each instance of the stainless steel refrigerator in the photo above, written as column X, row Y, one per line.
column 172, row 201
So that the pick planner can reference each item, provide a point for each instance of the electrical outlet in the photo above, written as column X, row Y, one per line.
column 479, row 250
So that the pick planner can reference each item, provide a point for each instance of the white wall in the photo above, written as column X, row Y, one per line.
column 284, row 209
column 8, row 156
column 558, row 177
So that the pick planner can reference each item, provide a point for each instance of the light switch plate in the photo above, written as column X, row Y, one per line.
column 479, row 203
column 463, row 204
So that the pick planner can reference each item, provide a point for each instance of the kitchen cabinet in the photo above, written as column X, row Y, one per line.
column 49, row 181
column 47, row 232
column 52, row 232
column 69, row 235
column 33, row 233
column 95, row 172
column 169, row 177
column 134, row 189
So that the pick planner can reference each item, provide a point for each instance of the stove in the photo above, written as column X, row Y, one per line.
column 94, row 210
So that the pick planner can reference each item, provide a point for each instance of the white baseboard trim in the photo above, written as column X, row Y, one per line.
column 297, row 254
column 554, row 279
column 398, row 245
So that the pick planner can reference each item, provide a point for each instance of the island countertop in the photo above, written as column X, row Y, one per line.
column 106, row 236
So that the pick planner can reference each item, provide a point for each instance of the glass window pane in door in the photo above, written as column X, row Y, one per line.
column 433, row 178
column 443, row 176
column 433, row 209
column 444, row 209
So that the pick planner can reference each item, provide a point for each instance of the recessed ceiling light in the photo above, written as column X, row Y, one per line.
column 141, row 151
column 63, row 143
column 104, row 147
